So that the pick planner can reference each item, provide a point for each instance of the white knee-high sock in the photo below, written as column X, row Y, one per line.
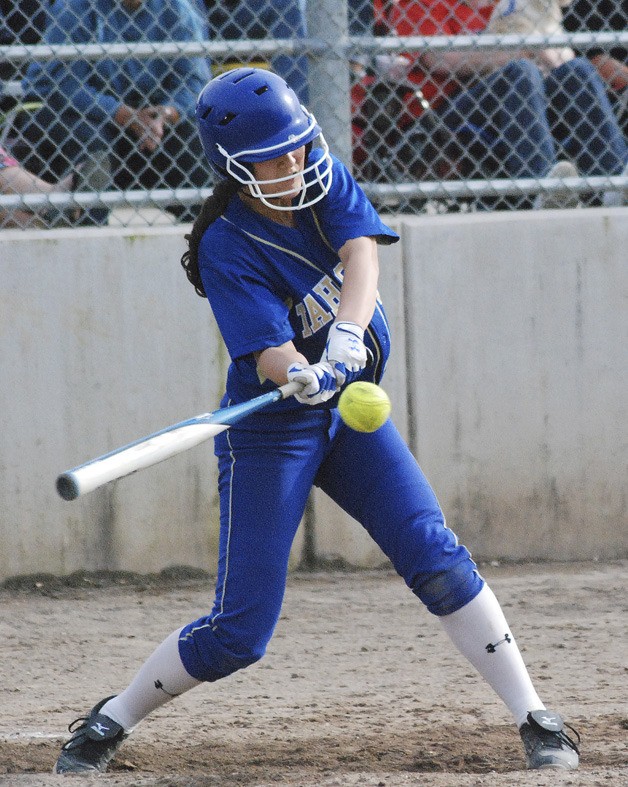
column 160, row 678
column 480, row 632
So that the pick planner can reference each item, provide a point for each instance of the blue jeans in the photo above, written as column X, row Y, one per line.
column 522, row 122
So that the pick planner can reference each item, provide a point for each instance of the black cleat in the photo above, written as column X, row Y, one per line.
column 546, row 743
column 93, row 743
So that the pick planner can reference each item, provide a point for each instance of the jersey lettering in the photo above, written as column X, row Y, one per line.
column 317, row 315
column 329, row 292
column 316, row 312
column 312, row 313
column 305, row 328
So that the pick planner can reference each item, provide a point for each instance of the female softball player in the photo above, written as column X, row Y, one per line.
column 285, row 250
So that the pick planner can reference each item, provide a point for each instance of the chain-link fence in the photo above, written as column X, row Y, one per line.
column 438, row 105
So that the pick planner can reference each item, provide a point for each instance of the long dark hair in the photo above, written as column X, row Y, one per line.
column 213, row 207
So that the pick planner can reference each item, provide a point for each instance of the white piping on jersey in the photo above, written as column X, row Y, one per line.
column 320, row 231
column 378, row 302
column 212, row 622
column 370, row 333
column 273, row 245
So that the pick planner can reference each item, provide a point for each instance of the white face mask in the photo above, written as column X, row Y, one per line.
column 319, row 172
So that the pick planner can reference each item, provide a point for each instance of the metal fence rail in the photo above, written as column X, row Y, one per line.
column 367, row 116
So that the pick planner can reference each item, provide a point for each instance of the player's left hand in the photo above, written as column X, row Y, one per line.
column 345, row 350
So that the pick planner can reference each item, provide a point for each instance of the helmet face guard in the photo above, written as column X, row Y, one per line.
column 251, row 115
column 318, row 173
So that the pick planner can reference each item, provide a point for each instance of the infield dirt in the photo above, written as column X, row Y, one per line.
column 360, row 686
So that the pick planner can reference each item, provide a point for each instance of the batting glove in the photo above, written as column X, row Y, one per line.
column 318, row 379
column 345, row 350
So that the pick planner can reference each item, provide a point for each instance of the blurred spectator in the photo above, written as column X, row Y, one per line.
column 258, row 19
column 236, row 19
column 280, row 19
column 532, row 17
column 21, row 22
column 585, row 16
column 509, row 117
column 361, row 18
column 15, row 179
column 140, row 110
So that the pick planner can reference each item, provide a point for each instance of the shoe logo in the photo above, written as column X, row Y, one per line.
column 490, row 648
column 100, row 729
column 550, row 721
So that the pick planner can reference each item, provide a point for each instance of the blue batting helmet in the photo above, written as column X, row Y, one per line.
column 248, row 115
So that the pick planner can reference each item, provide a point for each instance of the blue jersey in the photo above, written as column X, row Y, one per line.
column 268, row 284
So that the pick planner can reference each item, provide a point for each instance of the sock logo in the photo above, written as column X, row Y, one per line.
column 160, row 685
column 490, row 648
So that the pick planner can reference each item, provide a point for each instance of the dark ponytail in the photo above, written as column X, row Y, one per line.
column 212, row 208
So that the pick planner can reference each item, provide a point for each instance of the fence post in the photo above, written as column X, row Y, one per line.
column 328, row 74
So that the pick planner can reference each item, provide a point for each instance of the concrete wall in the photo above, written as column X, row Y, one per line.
column 518, row 329
column 102, row 341
column 508, row 378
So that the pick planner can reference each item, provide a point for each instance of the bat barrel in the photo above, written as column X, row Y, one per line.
column 156, row 447
column 135, row 456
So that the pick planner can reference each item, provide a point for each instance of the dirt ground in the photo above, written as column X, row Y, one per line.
column 359, row 686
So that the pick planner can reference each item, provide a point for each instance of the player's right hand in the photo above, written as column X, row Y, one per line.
column 318, row 379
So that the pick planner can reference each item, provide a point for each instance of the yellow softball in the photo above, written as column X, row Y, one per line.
column 364, row 406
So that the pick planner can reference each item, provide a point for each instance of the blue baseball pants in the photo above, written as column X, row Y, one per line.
column 267, row 466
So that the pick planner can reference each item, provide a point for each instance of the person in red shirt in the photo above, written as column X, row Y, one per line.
column 511, row 120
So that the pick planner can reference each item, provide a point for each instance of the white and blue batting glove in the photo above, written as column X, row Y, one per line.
column 318, row 379
column 345, row 350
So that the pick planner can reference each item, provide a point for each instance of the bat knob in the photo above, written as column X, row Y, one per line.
column 67, row 486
